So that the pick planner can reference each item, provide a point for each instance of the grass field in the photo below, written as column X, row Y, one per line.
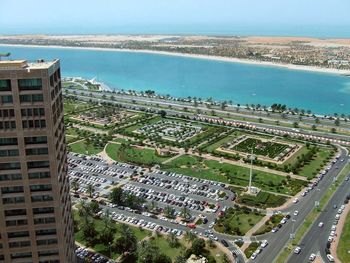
column 233, row 174
column 82, row 148
column 70, row 106
column 312, row 168
column 343, row 249
column 237, row 221
column 132, row 154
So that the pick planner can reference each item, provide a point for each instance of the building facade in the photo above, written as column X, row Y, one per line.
column 36, row 223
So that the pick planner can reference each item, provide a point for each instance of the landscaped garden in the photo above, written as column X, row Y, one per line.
column 261, row 200
column 233, row 174
column 123, row 152
column 344, row 242
column 238, row 220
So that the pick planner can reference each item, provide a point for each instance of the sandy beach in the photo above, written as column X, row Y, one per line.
column 197, row 56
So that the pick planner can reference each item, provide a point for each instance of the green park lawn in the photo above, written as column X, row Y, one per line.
column 131, row 154
column 343, row 248
column 237, row 221
column 82, row 148
column 70, row 106
column 228, row 173
column 71, row 139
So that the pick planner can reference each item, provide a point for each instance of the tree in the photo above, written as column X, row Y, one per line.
column 90, row 190
column 162, row 113
column 185, row 212
column 225, row 259
column 189, row 236
column 75, row 185
column 116, row 196
column 89, row 232
column 198, row 246
column 172, row 240
column 149, row 253
column 94, row 207
column 126, row 240
column 180, row 259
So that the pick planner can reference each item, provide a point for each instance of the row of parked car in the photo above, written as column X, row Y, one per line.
column 259, row 249
column 142, row 223
column 163, row 197
column 183, row 186
column 89, row 256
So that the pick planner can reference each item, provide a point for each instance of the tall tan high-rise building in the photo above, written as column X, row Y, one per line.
column 35, row 208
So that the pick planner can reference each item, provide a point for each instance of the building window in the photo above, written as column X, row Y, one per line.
column 42, row 198
column 18, row 222
column 21, row 255
column 15, row 212
column 45, row 220
column 10, row 166
column 37, row 151
column 46, row 242
column 7, row 113
column 6, row 99
column 10, row 177
column 19, row 244
column 39, row 175
column 13, row 200
column 51, row 252
column 43, row 210
column 11, row 189
column 5, row 85
column 38, row 164
column 32, row 112
column 5, row 125
column 30, row 84
column 35, row 140
column 45, row 232
column 6, row 153
column 18, row 234
column 8, row 141
column 31, row 98
column 40, row 187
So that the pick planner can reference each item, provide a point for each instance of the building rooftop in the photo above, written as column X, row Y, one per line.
column 24, row 64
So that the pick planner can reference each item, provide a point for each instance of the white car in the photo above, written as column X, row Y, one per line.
column 253, row 256
column 312, row 257
column 296, row 200
column 297, row 250
column 264, row 243
column 296, row 212
column 320, row 224
column 330, row 258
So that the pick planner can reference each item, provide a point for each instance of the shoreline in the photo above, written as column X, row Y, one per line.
column 197, row 56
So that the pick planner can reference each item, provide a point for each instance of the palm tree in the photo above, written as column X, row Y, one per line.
column 75, row 185
column 189, row 236
column 185, row 213
column 90, row 190
column 172, row 240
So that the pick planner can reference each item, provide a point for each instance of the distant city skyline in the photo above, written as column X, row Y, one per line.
column 321, row 18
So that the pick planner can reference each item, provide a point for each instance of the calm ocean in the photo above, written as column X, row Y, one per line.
column 182, row 77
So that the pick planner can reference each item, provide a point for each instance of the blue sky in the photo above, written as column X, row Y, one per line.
column 177, row 16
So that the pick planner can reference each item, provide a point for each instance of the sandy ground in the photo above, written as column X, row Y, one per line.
column 217, row 58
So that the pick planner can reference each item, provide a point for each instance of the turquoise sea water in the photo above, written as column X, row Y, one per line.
column 182, row 77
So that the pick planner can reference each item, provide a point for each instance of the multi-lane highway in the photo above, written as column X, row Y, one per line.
column 314, row 243
column 322, row 136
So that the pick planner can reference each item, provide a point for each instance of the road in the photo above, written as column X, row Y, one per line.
column 277, row 241
column 242, row 112
column 315, row 240
column 278, row 130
